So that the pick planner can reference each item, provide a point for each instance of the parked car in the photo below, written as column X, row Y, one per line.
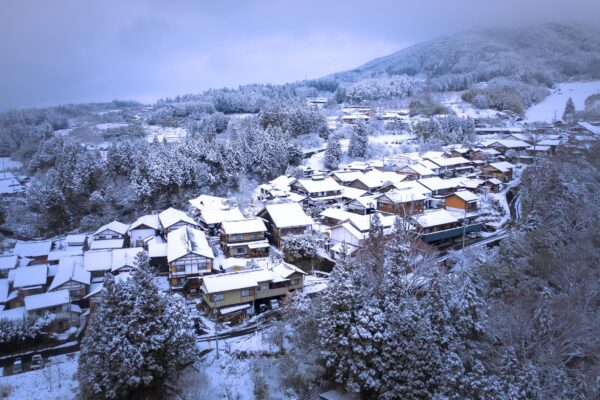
column 274, row 304
column 37, row 362
column 262, row 308
column 17, row 366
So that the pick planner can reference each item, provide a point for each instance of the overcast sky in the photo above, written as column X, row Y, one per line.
column 61, row 51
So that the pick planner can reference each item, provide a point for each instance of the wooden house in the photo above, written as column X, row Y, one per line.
column 502, row 170
column 503, row 145
column 123, row 260
column 73, row 277
column 416, row 171
column 362, row 205
column 285, row 219
column 112, row 230
column 211, row 218
column 97, row 263
column 345, row 178
column 172, row 219
column 463, row 200
column 250, row 287
column 30, row 280
column 401, row 201
column 7, row 263
column 58, row 303
column 244, row 238
column 35, row 250
column 144, row 228
column 325, row 190
column 190, row 258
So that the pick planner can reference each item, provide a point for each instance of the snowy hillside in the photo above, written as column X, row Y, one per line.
column 552, row 107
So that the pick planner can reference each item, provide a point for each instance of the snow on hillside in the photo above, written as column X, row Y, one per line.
column 162, row 133
column 553, row 106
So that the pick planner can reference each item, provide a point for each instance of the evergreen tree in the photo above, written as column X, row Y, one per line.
column 137, row 339
column 569, row 112
column 519, row 382
column 333, row 152
column 359, row 141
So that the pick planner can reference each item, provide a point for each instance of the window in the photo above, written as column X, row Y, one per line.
column 263, row 286
column 218, row 297
column 295, row 281
column 245, row 292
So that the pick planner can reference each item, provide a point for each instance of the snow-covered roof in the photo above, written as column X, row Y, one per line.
column 151, row 221
column 282, row 182
column 404, row 195
column 13, row 314
column 8, row 262
column 213, row 216
column 502, row 166
column 366, row 201
column 207, row 201
column 186, row 240
column 494, row 181
column 421, row 169
column 449, row 162
column 433, row 154
column 97, row 260
column 114, row 226
column 35, row 275
column 75, row 239
column 171, row 216
column 466, row 195
column 3, row 290
column 46, row 300
column 347, row 176
column 538, row 148
column 101, row 244
column 157, row 247
column 508, row 143
column 437, row 183
column 56, row 255
column 124, row 257
column 70, row 269
column 434, row 218
column 246, row 225
column 232, row 309
column 373, row 179
column 352, row 193
column 36, row 248
column 590, row 128
column 337, row 214
column 429, row 165
column 471, row 183
column 288, row 215
column 10, row 185
column 363, row 222
column 247, row 279
column 319, row 185
column 295, row 197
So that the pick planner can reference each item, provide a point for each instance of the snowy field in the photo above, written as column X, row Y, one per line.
column 554, row 105
column 56, row 381
column 463, row 109
column 168, row 134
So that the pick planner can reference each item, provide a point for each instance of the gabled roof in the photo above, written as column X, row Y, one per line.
column 248, row 279
column 320, row 185
column 437, row 183
column 151, row 221
column 288, row 215
column 37, row 248
column 403, row 195
column 434, row 218
column 157, row 247
column 115, row 226
column 246, row 225
column 450, row 161
column 186, row 240
column 70, row 269
column 171, row 216
column 76, row 238
column 508, row 143
column 465, row 195
column 206, row 201
column 352, row 193
column 102, row 244
column 366, row 201
column 97, row 260
column 47, row 300
column 419, row 169
column 215, row 216
column 35, row 275
column 337, row 214
column 347, row 176
column 502, row 166
column 429, row 165
column 124, row 257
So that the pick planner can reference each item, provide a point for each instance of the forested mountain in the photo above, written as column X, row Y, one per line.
column 540, row 54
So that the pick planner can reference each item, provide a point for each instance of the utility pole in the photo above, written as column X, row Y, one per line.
column 464, row 229
column 217, row 329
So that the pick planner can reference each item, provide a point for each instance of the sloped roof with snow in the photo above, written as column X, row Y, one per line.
column 502, row 166
column 508, row 143
column 366, row 201
column 38, row 248
column 186, row 240
column 8, row 262
column 206, row 201
column 215, row 216
column 437, row 183
column 75, row 238
column 337, row 214
column 103, row 244
column 404, row 195
column 171, row 216
column 449, row 162
column 70, row 269
column 47, row 300
column 352, row 193
column 3, row 290
column 97, row 260
column 35, row 275
column 288, row 215
column 246, row 225
column 151, row 221
column 13, row 314
column 115, row 226
column 466, row 195
column 124, row 257
column 249, row 278
column 347, row 176
column 420, row 169
column 429, row 165
column 157, row 247
column 434, row 218
column 319, row 185
column 595, row 130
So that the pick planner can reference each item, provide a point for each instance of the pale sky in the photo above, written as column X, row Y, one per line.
column 63, row 51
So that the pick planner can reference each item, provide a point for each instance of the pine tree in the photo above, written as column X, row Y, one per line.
column 397, row 250
column 333, row 152
column 359, row 141
column 569, row 112
column 468, row 310
column 137, row 339
column 519, row 382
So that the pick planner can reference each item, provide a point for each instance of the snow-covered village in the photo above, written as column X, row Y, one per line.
column 424, row 226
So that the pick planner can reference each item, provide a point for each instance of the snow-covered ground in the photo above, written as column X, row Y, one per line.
column 111, row 125
column 553, row 106
column 55, row 381
column 464, row 109
column 170, row 134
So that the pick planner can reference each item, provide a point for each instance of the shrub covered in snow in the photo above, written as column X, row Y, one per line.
column 20, row 333
column 299, row 246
